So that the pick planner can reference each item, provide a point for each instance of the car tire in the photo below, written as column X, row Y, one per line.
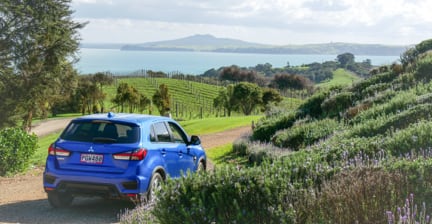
column 154, row 187
column 201, row 167
column 60, row 200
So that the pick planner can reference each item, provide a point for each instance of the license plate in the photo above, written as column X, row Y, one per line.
column 92, row 158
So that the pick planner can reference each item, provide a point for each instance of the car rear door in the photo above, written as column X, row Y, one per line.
column 186, row 160
column 162, row 140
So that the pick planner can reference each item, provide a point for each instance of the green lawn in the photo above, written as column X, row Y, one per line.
column 224, row 154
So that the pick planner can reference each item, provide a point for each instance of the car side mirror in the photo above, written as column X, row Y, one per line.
column 194, row 140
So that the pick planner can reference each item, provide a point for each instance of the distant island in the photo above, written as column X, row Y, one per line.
column 209, row 43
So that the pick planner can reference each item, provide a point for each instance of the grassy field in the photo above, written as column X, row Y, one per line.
column 214, row 125
column 340, row 77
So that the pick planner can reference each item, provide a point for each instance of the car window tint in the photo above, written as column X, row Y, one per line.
column 89, row 131
column 161, row 132
column 178, row 134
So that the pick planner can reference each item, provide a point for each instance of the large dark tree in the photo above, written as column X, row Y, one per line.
column 38, row 41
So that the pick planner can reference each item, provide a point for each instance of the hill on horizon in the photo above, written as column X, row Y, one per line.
column 209, row 43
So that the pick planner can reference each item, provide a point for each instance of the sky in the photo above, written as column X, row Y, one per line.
column 274, row 22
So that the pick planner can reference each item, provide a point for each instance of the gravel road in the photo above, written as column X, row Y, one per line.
column 22, row 199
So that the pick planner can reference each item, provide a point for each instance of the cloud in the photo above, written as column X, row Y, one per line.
column 325, row 5
column 282, row 21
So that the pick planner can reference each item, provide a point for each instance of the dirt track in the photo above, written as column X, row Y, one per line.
column 22, row 199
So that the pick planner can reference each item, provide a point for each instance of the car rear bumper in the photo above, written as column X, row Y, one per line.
column 113, row 186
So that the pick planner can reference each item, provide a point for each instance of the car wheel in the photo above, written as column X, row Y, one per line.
column 60, row 200
column 201, row 167
column 155, row 186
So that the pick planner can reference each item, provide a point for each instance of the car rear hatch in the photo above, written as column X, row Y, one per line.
column 98, row 146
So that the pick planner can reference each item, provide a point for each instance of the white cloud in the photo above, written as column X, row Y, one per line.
column 266, row 21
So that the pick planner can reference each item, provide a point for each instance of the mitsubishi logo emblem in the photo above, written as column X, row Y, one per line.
column 90, row 149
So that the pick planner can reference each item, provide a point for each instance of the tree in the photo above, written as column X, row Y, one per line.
column 264, row 68
column 124, row 96
column 101, row 79
column 128, row 97
column 270, row 95
column 225, row 100
column 38, row 39
column 144, row 102
column 236, row 74
column 247, row 97
column 287, row 81
column 161, row 99
column 87, row 95
column 345, row 59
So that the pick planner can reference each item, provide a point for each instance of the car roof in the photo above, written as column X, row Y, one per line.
column 123, row 117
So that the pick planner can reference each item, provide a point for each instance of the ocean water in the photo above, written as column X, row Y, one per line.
column 194, row 63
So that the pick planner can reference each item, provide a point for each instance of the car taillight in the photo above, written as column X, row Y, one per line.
column 52, row 150
column 138, row 154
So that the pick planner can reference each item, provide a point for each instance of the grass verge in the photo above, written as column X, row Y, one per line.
column 219, row 124
column 41, row 153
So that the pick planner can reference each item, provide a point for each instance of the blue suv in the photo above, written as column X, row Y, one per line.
column 122, row 156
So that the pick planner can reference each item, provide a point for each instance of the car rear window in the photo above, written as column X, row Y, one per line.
column 101, row 131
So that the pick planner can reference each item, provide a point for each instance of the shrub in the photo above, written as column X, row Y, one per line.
column 375, row 89
column 423, row 71
column 256, row 152
column 398, row 103
column 312, row 106
column 384, row 123
column 267, row 127
column 358, row 196
column 335, row 105
column 409, row 213
column 412, row 139
column 240, row 147
column 16, row 149
column 358, row 87
column 300, row 136
column 405, row 81
column 353, row 111
column 227, row 195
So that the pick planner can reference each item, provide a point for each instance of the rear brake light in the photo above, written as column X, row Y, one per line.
column 138, row 154
column 49, row 189
column 52, row 150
